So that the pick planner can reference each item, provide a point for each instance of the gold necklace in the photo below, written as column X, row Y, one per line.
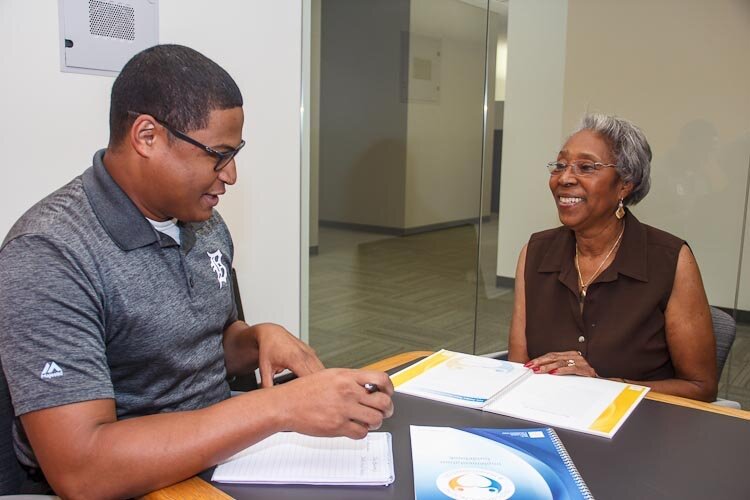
column 584, row 286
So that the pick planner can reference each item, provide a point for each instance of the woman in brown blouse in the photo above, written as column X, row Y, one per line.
column 605, row 295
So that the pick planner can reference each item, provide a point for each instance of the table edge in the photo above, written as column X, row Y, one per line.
column 197, row 486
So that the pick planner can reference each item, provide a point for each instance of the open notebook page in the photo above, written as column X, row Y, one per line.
column 291, row 458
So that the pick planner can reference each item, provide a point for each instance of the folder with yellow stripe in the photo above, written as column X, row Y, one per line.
column 591, row 405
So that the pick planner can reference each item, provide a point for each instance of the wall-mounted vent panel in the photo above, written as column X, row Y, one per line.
column 111, row 20
column 99, row 36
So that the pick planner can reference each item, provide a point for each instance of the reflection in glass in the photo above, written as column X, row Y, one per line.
column 400, row 117
column 398, row 152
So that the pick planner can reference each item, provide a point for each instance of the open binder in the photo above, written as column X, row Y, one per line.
column 592, row 405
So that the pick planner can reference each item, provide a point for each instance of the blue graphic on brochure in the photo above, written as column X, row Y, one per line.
column 492, row 464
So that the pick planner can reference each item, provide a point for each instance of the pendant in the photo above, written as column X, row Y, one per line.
column 583, row 294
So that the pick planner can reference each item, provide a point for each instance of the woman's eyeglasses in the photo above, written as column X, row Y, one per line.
column 581, row 168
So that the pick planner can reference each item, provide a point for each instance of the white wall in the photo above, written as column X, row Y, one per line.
column 532, row 123
column 56, row 121
column 684, row 79
column 53, row 122
column 501, row 65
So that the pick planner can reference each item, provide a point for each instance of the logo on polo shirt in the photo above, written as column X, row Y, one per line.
column 218, row 267
column 51, row 370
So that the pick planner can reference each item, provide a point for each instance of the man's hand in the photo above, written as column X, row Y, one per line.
column 334, row 402
column 83, row 449
column 279, row 350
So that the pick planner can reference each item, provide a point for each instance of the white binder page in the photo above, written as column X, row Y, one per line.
column 596, row 406
column 458, row 378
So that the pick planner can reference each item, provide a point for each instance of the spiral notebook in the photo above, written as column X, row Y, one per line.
column 291, row 458
column 478, row 463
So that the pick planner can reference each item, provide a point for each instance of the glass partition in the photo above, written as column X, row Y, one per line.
column 426, row 169
column 394, row 222
column 494, row 293
column 735, row 380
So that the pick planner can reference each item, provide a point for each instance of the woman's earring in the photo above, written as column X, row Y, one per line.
column 620, row 212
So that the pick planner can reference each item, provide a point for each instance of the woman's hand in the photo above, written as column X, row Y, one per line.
column 562, row 363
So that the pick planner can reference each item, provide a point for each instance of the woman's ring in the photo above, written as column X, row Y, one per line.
column 571, row 362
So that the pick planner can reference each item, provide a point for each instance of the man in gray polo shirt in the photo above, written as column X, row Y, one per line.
column 117, row 322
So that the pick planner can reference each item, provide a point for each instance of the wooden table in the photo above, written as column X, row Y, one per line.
column 197, row 488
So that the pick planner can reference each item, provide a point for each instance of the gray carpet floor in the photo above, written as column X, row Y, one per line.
column 373, row 296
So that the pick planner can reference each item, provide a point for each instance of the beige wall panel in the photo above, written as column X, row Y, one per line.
column 679, row 69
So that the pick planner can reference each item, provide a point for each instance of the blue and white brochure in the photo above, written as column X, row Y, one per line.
column 493, row 464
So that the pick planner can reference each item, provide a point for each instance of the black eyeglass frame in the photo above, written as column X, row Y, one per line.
column 223, row 158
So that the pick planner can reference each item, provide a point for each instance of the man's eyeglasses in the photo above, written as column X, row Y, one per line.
column 222, row 157
column 581, row 168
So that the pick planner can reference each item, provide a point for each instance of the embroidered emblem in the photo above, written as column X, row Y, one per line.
column 51, row 370
column 218, row 267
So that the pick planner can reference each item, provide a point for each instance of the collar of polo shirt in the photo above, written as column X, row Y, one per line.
column 119, row 216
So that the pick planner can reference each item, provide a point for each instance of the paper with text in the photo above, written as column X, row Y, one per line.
column 291, row 458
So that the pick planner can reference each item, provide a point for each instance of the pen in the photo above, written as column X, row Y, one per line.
column 370, row 388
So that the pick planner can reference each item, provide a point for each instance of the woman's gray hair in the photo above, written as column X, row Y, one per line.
column 630, row 148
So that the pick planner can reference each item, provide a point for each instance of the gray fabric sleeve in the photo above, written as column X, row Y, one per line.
column 51, row 327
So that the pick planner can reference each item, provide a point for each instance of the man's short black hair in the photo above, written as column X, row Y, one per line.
column 172, row 83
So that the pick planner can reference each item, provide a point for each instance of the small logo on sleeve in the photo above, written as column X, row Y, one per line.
column 218, row 267
column 51, row 370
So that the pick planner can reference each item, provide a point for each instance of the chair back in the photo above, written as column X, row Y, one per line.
column 11, row 474
column 725, row 330
column 237, row 297
column 240, row 383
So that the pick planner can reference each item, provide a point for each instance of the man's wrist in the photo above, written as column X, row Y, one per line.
column 252, row 331
column 258, row 329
